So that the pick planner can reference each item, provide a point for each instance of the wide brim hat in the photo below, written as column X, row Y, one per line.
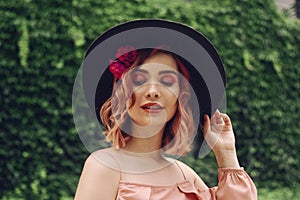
column 199, row 56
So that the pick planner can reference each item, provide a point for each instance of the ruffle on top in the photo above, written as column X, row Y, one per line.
column 233, row 184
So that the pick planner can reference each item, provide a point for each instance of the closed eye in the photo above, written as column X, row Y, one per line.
column 168, row 80
column 138, row 78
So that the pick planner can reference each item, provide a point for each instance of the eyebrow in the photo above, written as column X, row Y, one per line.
column 160, row 73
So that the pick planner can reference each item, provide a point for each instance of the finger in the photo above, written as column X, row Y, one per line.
column 226, row 119
column 217, row 119
column 217, row 113
column 213, row 119
column 206, row 125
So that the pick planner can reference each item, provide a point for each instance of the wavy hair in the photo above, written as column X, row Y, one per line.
column 179, row 129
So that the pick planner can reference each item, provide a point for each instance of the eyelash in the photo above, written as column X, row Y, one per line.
column 167, row 83
column 138, row 83
column 141, row 82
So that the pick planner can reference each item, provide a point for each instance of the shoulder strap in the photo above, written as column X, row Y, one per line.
column 180, row 170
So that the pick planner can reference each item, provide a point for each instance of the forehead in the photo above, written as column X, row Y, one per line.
column 162, row 61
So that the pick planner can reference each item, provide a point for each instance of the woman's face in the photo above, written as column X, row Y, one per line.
column 156, row 89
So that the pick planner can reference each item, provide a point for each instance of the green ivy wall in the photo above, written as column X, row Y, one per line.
column 42, row 44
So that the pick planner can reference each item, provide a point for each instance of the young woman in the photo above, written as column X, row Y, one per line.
column 147, row 117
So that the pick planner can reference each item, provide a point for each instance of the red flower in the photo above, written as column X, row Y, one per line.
column 117, row 68
column 126, row 51
column 125, row 58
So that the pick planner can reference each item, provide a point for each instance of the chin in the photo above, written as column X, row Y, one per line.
column 150, row 122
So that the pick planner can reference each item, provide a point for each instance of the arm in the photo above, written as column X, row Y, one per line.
column 234, row 182
column 219, row 135
column 97, row 181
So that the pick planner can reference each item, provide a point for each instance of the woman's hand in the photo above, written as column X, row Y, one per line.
column 218, row 134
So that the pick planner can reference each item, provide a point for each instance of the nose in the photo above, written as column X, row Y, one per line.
column 153, row 92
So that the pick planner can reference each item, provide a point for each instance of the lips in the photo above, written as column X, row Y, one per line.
column 152, row 107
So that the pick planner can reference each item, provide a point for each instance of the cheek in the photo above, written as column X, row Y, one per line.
column 171, row 108
column 172, row 93
column 134, row 104
column 132, row 101
column 172, row 101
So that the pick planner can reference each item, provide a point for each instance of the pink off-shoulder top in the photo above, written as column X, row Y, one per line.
column 234, row 184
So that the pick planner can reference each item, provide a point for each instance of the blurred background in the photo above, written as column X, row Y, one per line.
column 42, row 45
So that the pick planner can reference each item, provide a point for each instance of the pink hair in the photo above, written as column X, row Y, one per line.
column 114, row 112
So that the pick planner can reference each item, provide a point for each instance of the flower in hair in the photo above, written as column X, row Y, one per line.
column 124, row 59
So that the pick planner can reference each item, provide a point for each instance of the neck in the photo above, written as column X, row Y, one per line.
column 145, row 140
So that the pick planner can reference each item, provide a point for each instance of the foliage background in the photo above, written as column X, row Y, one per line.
column 42, row 47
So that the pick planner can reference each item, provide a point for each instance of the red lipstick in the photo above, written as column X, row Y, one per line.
column 152, row 107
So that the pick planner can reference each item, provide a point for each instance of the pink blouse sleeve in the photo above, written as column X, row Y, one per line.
column 233, row 184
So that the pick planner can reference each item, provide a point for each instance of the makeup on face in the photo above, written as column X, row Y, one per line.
column 156, row 89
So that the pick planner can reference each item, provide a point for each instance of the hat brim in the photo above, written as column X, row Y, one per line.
column 202, row 60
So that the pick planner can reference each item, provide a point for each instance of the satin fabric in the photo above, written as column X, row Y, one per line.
column 234, row 184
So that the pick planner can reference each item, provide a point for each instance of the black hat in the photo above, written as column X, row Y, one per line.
column 206, row 70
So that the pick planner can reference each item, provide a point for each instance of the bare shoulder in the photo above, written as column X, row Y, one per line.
column 99, row 178
column 191, row 175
